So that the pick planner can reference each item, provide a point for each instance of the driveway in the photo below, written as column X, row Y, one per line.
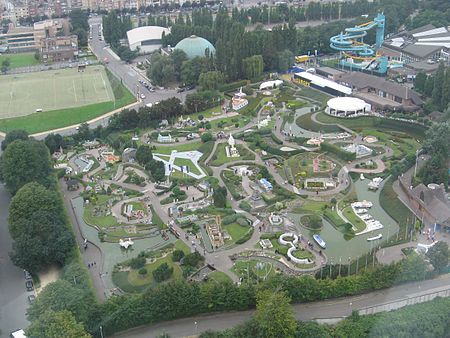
column 13, row 296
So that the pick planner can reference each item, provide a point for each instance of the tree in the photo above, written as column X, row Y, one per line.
column 157, row 170
column 5, row 65
column 144, row 154
column 17, row 134
column 438, row 85
column 39, row 229
column 142, row 272
column 206, row 137
column 192, row 259
column 419, row 82
column 438, row 255
column 177, row 255
column 211, row 80
column 253, row 66
column 274, row 315
column 55, row 325
column 62, row 295
column 285, row 60
column 162, row 272
column 23, row 162
column 220, row 197
column 53, row 142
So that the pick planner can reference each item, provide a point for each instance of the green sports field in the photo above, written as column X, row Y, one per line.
column 22, row 94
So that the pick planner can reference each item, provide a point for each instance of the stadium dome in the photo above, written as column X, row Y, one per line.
column 195, row 46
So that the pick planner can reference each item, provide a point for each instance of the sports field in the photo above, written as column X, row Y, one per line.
column 22, row 94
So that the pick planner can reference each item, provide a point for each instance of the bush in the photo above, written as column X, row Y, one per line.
column 177, row 255
column 244, row 205
column 246, row 237
column 192, row 259
column 162, row 272
column 206, row 137
column 344, row 155
column 138, row 262
column 142, row 271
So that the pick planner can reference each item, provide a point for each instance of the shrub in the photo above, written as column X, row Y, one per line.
column 138, row 262
column 162, row 272
column 142, row 271
column 177, row 255
column 192, row 259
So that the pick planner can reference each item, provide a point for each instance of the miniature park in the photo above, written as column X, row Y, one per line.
column 300, row 194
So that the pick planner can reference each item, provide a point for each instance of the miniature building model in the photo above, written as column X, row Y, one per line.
column 239, row 101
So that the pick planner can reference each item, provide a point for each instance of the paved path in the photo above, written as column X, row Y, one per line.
column 13, row 295
column 330, row 309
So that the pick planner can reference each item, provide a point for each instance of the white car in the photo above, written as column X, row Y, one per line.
column 142, row 96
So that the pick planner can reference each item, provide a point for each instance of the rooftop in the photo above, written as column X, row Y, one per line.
column 145, row 33
column 362, row 80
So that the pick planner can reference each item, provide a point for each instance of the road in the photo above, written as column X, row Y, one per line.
column 330, row 309
column 13, row 296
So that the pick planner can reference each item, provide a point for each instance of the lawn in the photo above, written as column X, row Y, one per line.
column 100, row 221
column 305, row 122
column 187, row 162
column 220, row 156
column 90, row 95
column 248, row 268
column 20, row 60
column 357, row 222
column 365, row 122
column 136, row 279
column 178, row 147
column 304, row 163
column 314, row 94
column 236, row 231
column 218, row 277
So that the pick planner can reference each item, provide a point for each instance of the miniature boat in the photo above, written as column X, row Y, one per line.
column 320, row 241
column 379, row 236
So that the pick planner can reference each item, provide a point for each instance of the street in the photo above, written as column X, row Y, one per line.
column 13, row 296
column 330, row 309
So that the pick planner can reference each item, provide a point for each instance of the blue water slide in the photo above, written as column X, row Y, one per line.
column 352, row 40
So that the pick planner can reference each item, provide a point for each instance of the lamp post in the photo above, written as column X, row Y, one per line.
column 101, row 331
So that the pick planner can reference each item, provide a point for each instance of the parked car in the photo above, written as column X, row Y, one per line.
column 181, row 89
column 31, row 298
column 190, row 87
column 142, row 96
column 29, row 285
column 27, row 275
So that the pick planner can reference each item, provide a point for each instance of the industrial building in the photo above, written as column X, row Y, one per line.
column 146, row 39
column 420, row 49
column 326, row 85
column 381, row 94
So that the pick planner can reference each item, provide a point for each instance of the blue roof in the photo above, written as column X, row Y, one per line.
column 195, row 46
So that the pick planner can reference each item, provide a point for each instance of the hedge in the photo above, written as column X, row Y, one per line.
column 232, row 86
column 342, row 154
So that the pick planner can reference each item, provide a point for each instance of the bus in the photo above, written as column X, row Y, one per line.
column 302, row 58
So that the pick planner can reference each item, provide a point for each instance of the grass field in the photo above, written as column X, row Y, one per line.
column 37, row 122
column 22, row 94
column 220, row 156
column 20, row 60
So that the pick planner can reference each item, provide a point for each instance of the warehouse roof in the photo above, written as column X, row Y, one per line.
column 146, row 33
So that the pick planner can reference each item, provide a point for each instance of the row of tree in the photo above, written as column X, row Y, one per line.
column 274, row 317
column 436, row 87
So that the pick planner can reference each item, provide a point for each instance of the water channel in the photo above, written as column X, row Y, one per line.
column 112, row 252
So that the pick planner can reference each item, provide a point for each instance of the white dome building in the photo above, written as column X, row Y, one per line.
column 347, row 106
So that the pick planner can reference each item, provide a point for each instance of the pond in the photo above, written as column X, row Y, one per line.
column 340, row 248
